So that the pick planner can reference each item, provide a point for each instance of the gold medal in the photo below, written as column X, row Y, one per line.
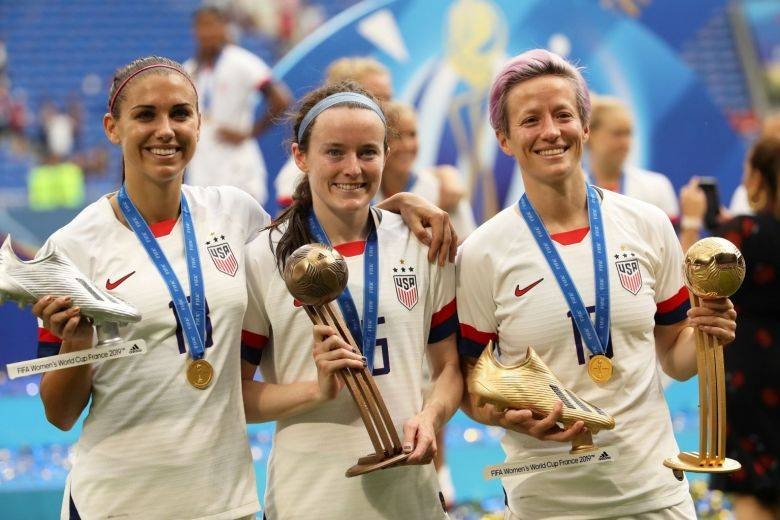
column 600, row 368
column 200, row 373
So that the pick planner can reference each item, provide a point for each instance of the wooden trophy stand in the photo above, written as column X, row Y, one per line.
column 361, row 385
column 315, row 274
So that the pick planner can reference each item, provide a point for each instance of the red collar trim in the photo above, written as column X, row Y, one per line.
column 574, row 236
column 161, row 229
column 351, row 248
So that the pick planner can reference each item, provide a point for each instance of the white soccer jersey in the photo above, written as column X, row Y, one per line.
column 506, row 291
column 425, row 184
column 228, row 96
column 311, row 451
column 152, row 446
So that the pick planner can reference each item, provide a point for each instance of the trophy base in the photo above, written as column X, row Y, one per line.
column 689, row 461
column 582, row 443
column 375, row 462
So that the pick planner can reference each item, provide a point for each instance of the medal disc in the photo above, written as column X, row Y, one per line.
column 200, row 373
column 600, row 368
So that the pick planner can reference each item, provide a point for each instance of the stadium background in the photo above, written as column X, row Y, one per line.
column 698, row 76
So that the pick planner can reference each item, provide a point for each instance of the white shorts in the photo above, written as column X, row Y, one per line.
column 682, row 511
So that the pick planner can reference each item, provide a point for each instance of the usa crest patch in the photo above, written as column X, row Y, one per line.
column 222, row 256
column 629, row 274
column 406, row 285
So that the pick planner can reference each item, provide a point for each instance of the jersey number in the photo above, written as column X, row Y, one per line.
column 381, row 346
column 578, row 338
column 180, row 333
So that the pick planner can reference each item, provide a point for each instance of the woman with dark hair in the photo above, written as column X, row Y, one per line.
column 536, row 272
column 753, row 359
column 153, row 445
column 340, row 143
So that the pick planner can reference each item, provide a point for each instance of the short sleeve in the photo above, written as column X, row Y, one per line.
column 476, row 306
column 444, row 320
column 256, row 328
column 671, row 295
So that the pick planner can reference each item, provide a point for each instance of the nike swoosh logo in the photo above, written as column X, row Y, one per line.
column 519, row 292
column 113, row 285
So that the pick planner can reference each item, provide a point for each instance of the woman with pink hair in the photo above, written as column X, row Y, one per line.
column 580, row 274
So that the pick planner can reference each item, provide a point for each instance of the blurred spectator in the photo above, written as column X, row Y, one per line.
column 368, row 72
column 55, row 184
column 228, row 79
column 739, row 204
column 13, row 118
column 59, row 130
column 753, row 359
column 284, row 21
column 399, row 174
column 694, row 203
column 609, row 143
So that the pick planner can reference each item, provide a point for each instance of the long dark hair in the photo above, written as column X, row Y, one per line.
column 297, row 232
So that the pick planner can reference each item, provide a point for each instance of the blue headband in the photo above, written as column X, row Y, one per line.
column 337, row 99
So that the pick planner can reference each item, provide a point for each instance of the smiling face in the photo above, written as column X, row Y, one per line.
column 544, row 133
column 344, row 159
column 157, row 127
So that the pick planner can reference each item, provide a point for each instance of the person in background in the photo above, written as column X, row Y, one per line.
column 400, row 176
column 611, row 137
column 753, row 359
column 739, row 204
column 535, row 274
column 229, row 79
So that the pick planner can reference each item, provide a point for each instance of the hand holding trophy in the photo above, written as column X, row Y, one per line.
column 52, row 273
column 315, row 275
column 713, row 268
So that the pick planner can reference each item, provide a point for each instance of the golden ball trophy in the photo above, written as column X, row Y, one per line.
column 316, row 275
column 713, row 268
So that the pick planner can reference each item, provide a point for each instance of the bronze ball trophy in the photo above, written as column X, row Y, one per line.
column 713, row 268
column 315, row 275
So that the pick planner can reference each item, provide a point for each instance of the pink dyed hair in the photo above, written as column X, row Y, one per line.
column 528, row 65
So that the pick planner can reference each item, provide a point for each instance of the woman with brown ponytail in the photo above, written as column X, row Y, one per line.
column 340, row 143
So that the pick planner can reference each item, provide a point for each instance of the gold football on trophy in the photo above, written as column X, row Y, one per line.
column 315, row 274
column 714, row 268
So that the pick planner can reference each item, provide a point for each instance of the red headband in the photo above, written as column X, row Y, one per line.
column 134, row 74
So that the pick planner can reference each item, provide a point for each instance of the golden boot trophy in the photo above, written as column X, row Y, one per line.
column 315, row 275
column 531, row 385
column 714, row 268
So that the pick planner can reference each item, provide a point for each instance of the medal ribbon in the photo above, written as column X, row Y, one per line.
column 192, row 315
column 595, row 341
column 365, row 337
